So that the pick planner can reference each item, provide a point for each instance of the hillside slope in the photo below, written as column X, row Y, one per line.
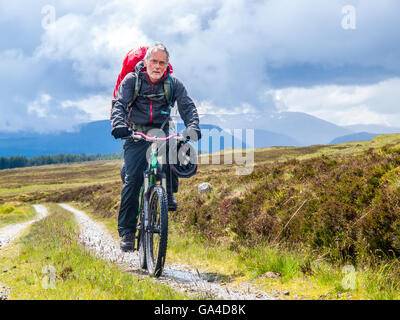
column 334, row 204
column 95, row 138
column 329, row 198
column 359, row 136
column 304, row 128
column 342, row 201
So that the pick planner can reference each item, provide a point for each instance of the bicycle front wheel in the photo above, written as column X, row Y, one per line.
column 140, row 233
column 157, row 231
column 141, row 243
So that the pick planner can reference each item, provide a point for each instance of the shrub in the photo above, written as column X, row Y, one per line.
column 338, row 206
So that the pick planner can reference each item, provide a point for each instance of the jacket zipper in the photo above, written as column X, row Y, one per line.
column 151, row 104
column 151, row 101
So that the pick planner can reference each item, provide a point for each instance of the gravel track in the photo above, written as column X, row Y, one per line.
column 96, row 238
column 10, row 233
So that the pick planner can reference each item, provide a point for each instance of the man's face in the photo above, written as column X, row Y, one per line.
column 156, row 65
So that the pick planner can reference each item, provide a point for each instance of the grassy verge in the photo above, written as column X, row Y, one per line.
column 14, row 212
column 277, row 269
column 287, row 273
column 47, row 263
column 223, row 263
column 50, row 178
column 326, row 207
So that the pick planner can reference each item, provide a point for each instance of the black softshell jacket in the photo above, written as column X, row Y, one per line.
column 146, row 111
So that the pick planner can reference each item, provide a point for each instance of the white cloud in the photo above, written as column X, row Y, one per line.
column 188, row 24
column 40, row 106
column 207, row 107
column 47, row 114
column 51, row 111
column 345, row 105
column 97, row 107
column 220, row 49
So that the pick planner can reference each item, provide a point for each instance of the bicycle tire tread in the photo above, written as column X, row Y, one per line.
column 155, row 268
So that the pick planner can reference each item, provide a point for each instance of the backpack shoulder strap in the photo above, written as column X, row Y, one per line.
column 168, row 89
column 169, row 92
column 138, row 84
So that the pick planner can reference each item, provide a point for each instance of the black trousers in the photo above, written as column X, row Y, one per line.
column 135, row 164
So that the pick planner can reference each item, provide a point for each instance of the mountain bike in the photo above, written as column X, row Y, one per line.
column 152, row 220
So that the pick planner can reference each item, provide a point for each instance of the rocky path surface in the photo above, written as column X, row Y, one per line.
column 10, row 233
column 96, row 238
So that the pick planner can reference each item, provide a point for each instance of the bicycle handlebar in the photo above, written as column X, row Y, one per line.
column 141, row 136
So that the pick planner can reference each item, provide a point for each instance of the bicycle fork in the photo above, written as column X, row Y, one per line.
column 146, row 197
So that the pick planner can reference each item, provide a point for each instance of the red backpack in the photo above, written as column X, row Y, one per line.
column 131, row 59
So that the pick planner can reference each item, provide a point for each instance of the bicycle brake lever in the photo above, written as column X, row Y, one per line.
column 135, row 137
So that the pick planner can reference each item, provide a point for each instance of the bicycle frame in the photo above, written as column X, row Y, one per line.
column 150, row 178
column 153, row 261
column 151, row 173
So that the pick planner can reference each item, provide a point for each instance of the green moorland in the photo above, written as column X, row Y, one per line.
column 319, row 222
column 49, row 263
column 14, row 212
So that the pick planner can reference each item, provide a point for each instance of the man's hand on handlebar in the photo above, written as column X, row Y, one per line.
column 121, row 132
column 191, row 134
column 141, row 136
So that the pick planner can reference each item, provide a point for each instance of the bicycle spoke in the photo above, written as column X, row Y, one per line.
column 141, row 242
column 157, row 232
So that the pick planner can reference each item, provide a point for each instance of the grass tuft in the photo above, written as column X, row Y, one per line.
column 14, row 212
column 48, row 263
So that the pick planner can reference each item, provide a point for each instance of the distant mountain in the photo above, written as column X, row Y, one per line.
column 270, row 129
column 302, row 127
column 360, row 136
column 91, row 138
column 381, row 129
column 213, row 138
column 262, row 138
column 95, row 138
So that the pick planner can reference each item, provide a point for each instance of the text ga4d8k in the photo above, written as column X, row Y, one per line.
column 222, row 309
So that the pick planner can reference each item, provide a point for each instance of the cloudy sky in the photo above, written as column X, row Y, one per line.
column 338, row 60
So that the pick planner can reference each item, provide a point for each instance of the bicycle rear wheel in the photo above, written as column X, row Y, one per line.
column 157, row 233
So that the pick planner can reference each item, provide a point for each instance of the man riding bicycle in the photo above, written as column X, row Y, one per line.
column 142, row 110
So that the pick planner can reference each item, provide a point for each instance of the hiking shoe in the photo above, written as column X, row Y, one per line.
column 172, row 203
column 128, row 242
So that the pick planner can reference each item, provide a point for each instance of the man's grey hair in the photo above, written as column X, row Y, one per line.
column 158, row 46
